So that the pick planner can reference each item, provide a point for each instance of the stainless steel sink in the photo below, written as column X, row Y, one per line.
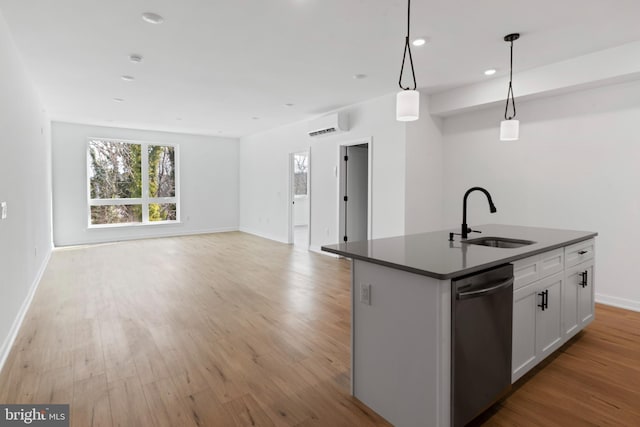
column 499, row 242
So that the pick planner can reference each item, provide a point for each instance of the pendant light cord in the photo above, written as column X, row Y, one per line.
column 407, row 48
column 510, row 91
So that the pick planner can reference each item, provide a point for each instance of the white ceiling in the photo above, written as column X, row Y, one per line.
column 218, row 64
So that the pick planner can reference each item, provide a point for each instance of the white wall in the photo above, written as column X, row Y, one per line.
column 424, row 173
column 264, row 174
column 25, row 235
column 208, row 184
column 576, row 166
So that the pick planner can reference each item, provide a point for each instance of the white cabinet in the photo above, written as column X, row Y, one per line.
column 537, row 330
column 577, row 298
column 553, row 299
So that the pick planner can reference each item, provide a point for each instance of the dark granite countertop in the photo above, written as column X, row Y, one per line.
column 432, row 254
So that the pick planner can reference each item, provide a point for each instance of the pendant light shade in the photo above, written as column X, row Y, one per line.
column 407, row 105
column 510, row 128
column 408, row 100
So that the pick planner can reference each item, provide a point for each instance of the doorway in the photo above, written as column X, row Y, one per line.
column 354, row 216
column 300, row 199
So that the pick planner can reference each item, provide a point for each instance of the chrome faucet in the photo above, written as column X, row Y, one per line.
column 492, row 208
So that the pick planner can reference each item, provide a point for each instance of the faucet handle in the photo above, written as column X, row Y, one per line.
column 474, row 231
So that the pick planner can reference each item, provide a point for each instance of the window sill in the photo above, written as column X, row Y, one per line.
column 133, row 224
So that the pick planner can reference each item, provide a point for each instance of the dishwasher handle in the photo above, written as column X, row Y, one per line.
column 486, row 290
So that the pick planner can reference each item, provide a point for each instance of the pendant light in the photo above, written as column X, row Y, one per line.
column 510, row 128
column 408, row 100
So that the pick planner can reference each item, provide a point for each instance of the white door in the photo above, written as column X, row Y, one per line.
column 300, row 199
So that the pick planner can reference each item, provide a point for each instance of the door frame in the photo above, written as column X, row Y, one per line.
column 291, row 197
column 339, row 183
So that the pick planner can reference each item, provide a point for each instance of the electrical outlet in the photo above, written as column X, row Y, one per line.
column 365, row 293
column 3, row 209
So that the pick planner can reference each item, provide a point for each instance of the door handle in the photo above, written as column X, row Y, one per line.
column 486, row 291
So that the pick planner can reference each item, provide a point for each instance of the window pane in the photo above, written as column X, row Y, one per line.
column 162, row 212
column 300, row 174
column 114, row 170
column 116, row 214
column 162, row 171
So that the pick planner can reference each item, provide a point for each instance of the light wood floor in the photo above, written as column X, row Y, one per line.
column 230, row 329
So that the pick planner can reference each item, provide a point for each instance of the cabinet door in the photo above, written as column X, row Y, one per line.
column 524, row 332
column 586, row 296
column 570, row 297
column 548, row 325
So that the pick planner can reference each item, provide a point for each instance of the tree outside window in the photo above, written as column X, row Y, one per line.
column 300, row 174
column 131, row 183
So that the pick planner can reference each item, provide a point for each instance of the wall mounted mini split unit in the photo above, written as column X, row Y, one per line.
column 329, row 125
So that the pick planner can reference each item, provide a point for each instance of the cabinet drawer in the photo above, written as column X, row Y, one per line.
column 579, row 252
column 528, row 270
column 525, row 271
column 551, row 262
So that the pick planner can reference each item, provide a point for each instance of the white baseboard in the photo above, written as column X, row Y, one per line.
column 263, row 235
column 628, row 304
column 173, row 233
column 13, row 332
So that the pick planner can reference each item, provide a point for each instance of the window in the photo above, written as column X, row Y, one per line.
column 132, row 182
column 300, row 175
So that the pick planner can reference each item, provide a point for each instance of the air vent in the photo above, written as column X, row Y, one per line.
column 331, row 124
column 322, row 132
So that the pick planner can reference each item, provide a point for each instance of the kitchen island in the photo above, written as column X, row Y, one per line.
column 402, row 316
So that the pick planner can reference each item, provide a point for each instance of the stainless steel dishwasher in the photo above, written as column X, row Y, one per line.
column 481, row 327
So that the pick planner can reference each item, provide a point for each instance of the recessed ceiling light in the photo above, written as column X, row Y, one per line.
column 118, row 100
column 359, row 76
column 288, row 105
column 134, row 57
column 255, row 118
column 152, row 18
column 127, row 78
column 421, row 41
column 490, row 72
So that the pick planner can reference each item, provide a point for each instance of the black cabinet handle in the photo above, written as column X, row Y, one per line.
column 585, row 278
column 546, row 299
column 543, row 301
column 582, row 252
column 541, row 305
